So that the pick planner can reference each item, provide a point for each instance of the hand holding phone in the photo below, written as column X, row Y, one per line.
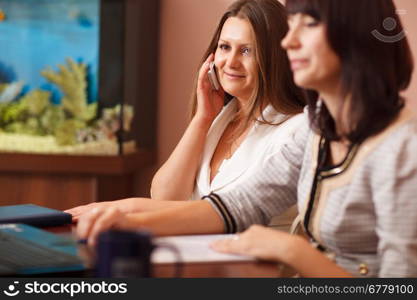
column 212, row 75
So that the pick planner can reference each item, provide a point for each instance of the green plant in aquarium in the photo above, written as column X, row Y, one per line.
column 53, row 116
column 71, row 79
column 30, row 126
column 66, row 131
column 22, row 116
column 71, row 122
column 36, row 101
column 13, row 112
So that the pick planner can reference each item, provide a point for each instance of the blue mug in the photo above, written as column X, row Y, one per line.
column 122, row 254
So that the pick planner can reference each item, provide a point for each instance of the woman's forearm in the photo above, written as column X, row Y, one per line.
column 194, row 217
column 176, row 178
column 274, row 245
column 310, row 262
column 134, row 205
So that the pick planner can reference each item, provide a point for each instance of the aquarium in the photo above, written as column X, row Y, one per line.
column 63, row 85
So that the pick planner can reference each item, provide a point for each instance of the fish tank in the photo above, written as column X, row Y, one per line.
column 78, row 77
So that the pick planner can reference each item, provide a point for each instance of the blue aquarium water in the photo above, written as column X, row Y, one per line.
column 36, row 34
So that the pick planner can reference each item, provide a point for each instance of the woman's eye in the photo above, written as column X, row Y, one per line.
column 312, row 24
column 246, row 51
column 223, row 47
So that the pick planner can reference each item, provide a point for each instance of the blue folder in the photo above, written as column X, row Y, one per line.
column 33, row 215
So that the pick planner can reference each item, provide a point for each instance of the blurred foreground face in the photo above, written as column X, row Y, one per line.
column 235, row 58
column 314, row 64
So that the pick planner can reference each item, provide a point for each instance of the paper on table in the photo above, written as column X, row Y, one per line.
column 193, row 248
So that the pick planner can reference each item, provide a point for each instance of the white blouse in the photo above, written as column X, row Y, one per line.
column 262, row 141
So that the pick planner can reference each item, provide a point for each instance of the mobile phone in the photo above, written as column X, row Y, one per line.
column 213, row 77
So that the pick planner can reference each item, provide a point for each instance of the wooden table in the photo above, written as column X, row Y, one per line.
column 202, row 270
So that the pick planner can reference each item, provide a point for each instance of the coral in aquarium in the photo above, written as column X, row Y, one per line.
column 51, row 118
column 71, row 80
column 72, row 122
column 66, row 132
column 107, row 126
column 22, row 116
column 36, row 101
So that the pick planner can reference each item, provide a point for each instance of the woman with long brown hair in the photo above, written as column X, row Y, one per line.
column 234, row 129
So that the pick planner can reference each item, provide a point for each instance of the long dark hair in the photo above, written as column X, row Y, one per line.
column 268, row 19
column 376, row 59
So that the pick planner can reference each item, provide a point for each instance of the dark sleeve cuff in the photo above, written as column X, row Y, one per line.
column 228, row 219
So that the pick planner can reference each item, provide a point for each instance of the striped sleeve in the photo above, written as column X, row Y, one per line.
column 228, row 219
column 269, row 192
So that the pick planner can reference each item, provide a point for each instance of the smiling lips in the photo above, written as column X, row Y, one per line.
column 234, row 76
column 297, row 64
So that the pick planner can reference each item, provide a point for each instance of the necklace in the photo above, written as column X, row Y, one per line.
column 233, row 140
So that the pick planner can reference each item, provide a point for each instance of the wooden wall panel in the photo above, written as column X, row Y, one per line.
column 54, row 191
column 61, row 182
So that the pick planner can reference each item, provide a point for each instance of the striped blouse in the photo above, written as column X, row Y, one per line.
column 364, row 212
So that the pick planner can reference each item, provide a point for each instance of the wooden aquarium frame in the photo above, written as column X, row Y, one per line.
column 64, row 181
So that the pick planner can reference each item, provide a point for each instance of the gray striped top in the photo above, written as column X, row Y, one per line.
column 365, row 215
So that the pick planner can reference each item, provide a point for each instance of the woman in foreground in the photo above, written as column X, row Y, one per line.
column 356, row 159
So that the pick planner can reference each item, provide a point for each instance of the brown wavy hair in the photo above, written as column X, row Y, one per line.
column 374, row 70
column 275, row 84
